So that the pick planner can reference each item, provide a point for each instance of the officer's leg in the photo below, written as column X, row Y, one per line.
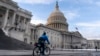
column 43, row 48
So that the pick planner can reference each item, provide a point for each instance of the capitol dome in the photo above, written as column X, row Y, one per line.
column 57, row 20
column 56, row 12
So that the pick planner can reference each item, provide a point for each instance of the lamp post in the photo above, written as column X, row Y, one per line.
column 71, row 40
column 96, row 45
column 62, row 42
column 96, row 48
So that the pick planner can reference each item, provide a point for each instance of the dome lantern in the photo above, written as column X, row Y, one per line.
column 57, row 6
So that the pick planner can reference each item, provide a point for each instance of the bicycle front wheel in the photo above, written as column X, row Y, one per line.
column 47, row 51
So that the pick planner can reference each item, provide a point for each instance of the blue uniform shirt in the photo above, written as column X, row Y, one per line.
column 45, row 38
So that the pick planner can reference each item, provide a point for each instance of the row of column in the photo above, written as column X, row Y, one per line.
column 6, row 18
column 66, row 41
column 58, row 26
column 22, row 24
column 13, row 18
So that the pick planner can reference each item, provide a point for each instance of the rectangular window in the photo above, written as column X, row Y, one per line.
column 25, row 40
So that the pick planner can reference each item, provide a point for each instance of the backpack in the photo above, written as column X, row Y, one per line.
column 41, row 40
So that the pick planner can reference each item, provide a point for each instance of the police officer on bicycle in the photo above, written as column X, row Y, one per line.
column 42, row 41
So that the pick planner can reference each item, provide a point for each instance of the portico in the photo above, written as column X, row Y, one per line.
column 14, row 19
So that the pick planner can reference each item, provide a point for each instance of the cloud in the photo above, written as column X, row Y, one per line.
column 92, row 2
column 90, row 30
column 90, row 24
column 91, row 33
column 51, row 1
column 98, row 3
column 36, row 20
column 36, row 1
column 80, row 1
column 85, row 1
column 71, row 14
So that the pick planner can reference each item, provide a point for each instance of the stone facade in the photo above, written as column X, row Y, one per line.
column 15, row 22
column 54, row 36
column 91, row 44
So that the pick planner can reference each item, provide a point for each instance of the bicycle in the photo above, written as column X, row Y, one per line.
column 36, row 50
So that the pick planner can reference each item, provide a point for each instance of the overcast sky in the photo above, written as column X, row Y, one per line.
column 83, row 14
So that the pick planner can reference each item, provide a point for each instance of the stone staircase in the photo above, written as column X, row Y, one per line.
column 9, row 43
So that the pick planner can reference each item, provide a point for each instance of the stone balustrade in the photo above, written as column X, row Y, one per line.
column 25, row 11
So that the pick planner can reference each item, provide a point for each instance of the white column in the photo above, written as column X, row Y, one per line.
column 24, row 23
column 63, row 27
column 60, row 26
column 13, row 18
column 51, row 26
column 18, row 18
column 6, row 18
column 18, row 21
column 56, row 25
column 24, row 20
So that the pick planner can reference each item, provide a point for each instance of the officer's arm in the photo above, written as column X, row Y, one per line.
column 48, row 41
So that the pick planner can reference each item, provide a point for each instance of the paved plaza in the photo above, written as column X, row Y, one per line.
column 53, row 53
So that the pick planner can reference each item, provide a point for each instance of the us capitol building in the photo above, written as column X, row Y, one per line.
column 15, row 22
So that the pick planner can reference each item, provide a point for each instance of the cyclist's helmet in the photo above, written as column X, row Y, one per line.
column 44, row 33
